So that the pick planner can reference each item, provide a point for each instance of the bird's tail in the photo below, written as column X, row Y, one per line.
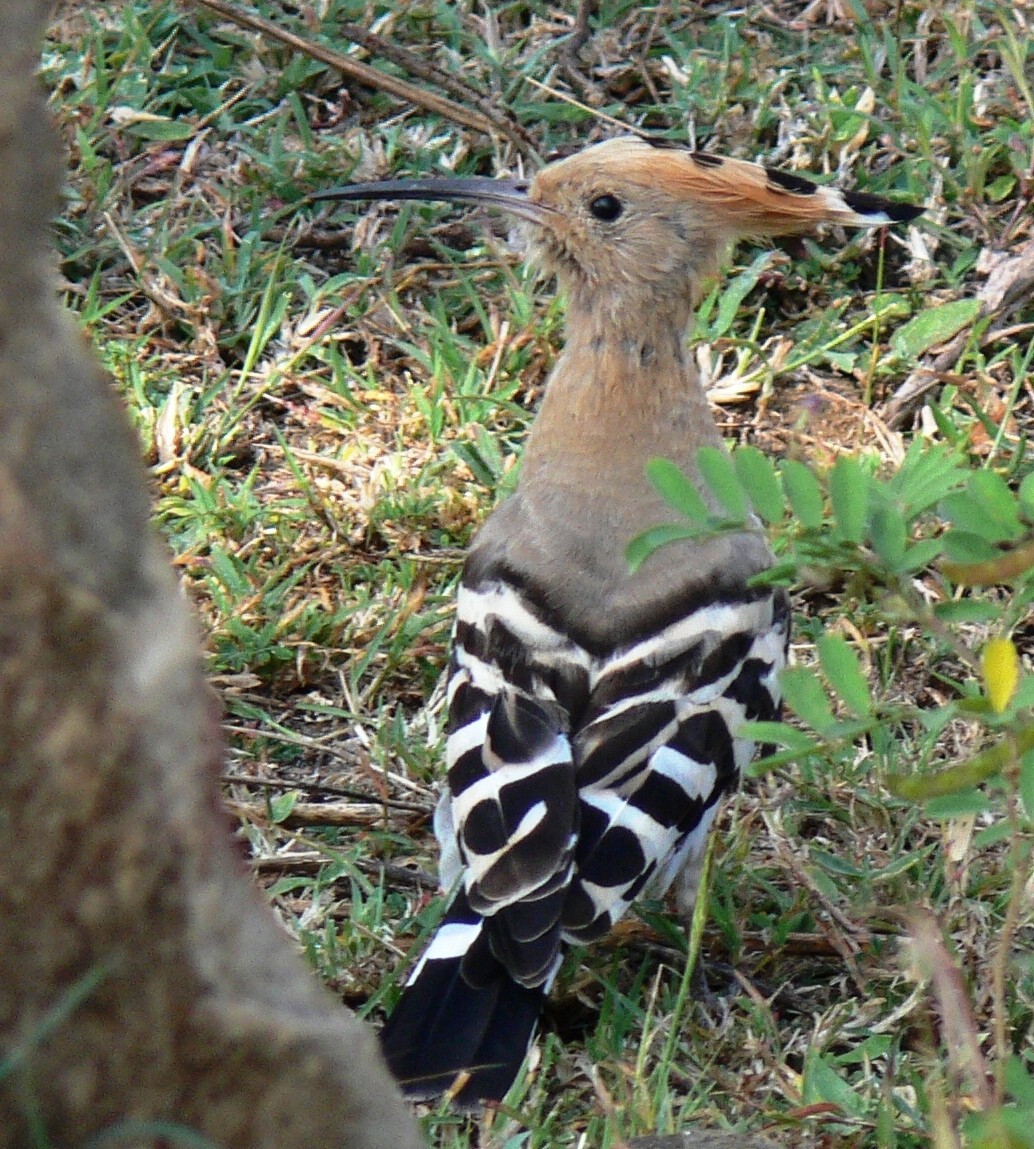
column 462, row 1025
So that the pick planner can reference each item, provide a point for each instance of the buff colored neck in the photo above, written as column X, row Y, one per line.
column 624, row 390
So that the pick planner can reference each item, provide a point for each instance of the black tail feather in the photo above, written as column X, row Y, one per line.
column 443, row 1026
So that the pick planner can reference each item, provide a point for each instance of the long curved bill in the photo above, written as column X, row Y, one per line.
column 510, row 195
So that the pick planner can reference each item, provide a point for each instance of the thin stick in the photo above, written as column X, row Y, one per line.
column 416, row 66
column 313, row 813
column 323, row 788
column 310, row 862
column 368, row 76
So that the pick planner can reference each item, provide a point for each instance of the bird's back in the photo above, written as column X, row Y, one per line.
column 639, row 683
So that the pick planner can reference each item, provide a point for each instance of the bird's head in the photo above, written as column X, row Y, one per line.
column 631, row 226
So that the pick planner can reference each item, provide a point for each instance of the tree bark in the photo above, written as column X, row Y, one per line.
column 144, row 983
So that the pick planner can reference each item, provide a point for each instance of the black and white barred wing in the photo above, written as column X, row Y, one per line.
column 507, row 822
column 658, row 749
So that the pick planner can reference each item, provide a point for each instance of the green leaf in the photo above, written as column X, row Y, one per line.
column 483, row 469
column 289, row 886
column 677, row 489
column 161, row 130
column 999, row 1128
column 1024, row 698
column 965, row 547
column 934, row 326
column 843, row 671
column 804, row 493
column 849, row 494
column 778, row 733
column 822, row 1083
column 993, row 494
column 718, row 472
column 281, row 805
column 911, row 860
column 643, row 545
column 227, row 569
column 959, row 805
column 1001, row 188
column 1019, row 1082
column 1027, row 494
column 890, row 305
column 945, row 423
column 928, row 472
column 780, row 758
column 992, row 835
column 977, row 705
column 779, row 574
column 1018, row 1125
column 1027, row 784
column 834, row 863
column 803, row 693
column 921, row 554
column 558, row 112
column 875, row 1045
column 967, row 610
column 889, row 534
column 758, row 476
column 985, row 517
column 843, row 361
column 734, row 294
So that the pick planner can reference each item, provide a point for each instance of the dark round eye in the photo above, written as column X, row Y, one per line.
column 606, row 207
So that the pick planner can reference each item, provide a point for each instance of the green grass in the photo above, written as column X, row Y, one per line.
column 330, row 405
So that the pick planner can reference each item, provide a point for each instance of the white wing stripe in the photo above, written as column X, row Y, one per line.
column 486, row 788
column 466, row 738
column 697, row 779
column 477, row 607
column 451, row 941
column 722, row 621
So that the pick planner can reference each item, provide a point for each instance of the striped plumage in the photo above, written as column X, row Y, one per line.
column 593, row 712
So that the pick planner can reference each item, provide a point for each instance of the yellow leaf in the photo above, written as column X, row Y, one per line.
column 1001, row 666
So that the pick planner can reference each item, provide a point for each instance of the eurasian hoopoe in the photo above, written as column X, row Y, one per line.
column 593, row 712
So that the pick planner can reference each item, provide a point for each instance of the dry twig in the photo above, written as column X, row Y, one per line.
column 479, row 120
column 314, row 813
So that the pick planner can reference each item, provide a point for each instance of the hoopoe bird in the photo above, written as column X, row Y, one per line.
column 593, row 712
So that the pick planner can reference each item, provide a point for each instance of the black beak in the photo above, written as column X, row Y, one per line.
column 510, row 195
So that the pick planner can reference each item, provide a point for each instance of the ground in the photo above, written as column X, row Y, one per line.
column 329, row 404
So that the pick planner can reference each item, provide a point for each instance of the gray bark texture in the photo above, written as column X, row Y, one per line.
column 143, row 980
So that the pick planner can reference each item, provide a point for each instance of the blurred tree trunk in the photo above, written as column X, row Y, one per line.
column 143, row 981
